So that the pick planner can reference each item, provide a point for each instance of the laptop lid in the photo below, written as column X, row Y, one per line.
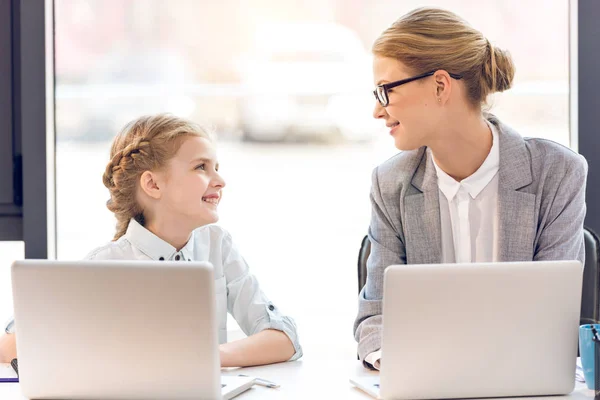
column 116, row 329
column 480, row 330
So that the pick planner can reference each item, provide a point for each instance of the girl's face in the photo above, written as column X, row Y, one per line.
column 190, row 185
column 412, row 113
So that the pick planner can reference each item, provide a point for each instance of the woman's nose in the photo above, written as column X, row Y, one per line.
column 379, row 111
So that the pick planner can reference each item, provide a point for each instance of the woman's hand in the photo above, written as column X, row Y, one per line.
column 8, row 348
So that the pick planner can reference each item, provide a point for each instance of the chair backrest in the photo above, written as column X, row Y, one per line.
column 591, row 278
column 363, row 255
column 590, row 307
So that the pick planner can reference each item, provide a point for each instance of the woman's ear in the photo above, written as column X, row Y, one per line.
column 149, row 184
column 443, row 86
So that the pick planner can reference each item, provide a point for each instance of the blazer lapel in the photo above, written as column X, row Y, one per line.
column 422, row 224
column 516, row 209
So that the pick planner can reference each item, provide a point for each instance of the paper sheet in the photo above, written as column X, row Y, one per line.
column 7, row 372
column 579, row 371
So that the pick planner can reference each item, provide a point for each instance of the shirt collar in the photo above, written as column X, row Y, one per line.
column 476, row 182
column 153, row 246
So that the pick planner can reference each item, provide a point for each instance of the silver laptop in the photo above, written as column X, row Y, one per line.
column 478, row 330
column 118, row 329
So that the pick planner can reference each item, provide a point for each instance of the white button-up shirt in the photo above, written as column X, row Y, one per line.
column 468, row 216
column 236, row 289
column 469, row 211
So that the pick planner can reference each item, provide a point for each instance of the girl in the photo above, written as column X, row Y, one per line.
column 466, row 187
column 165, row 189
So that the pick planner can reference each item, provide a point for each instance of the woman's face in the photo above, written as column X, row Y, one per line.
column 412, row 113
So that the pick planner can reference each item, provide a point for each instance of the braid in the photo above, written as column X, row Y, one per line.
column 125, row 159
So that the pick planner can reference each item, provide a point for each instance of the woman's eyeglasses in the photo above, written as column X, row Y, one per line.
column 381, row 92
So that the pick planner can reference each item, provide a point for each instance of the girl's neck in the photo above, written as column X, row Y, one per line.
column 171, row 232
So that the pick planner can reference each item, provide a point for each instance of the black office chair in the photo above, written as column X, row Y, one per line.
column 363, row 255
column 590, row 307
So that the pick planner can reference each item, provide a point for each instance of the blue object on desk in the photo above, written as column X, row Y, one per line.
column 587, row 351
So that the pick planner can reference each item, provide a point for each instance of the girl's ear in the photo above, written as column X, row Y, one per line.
column 149, row 184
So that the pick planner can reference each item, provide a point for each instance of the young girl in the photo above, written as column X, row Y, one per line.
column 165, row 190
column 466, row 187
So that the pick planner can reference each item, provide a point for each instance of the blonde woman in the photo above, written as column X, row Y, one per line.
column 165, row 190
column 466, row 187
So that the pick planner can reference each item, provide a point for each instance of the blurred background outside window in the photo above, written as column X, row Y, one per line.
column 286, row 86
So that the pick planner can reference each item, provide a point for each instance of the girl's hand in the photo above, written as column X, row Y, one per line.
column 8, row 348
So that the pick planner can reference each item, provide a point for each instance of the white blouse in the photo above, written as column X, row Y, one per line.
column 469, row 211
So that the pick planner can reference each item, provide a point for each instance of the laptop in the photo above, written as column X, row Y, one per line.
column 118, row 330
column 478, row 330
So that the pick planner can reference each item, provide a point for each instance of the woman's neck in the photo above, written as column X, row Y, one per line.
column 461, row 149
column 170, row 231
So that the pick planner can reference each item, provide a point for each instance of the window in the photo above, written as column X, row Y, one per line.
column 9, row 251
column 297, row 142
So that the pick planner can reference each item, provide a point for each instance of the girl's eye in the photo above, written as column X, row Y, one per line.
column 201, row 166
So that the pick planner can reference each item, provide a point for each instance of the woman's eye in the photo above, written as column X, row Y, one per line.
column 201, row 166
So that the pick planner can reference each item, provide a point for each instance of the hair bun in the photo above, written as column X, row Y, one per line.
column 498, row 70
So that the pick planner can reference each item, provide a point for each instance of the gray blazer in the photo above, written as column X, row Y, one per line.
column 541, row 206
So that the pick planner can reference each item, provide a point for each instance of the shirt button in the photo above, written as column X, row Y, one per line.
column 177, row 257
column 271, row 307
column 162, row 259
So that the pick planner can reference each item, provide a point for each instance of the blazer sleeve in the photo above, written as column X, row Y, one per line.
column 387, row 249
column 561, row 234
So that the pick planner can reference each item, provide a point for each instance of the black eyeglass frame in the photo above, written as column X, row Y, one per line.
column 381, row 92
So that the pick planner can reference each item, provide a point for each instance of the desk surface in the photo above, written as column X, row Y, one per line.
column 314, row 377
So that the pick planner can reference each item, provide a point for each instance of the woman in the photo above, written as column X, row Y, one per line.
column 466, row 187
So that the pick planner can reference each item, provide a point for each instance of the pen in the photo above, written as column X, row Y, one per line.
column 263, row 382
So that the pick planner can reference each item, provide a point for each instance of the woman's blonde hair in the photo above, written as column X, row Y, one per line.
column 427, row 39
column 145, row 144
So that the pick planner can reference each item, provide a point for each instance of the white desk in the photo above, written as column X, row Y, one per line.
column 316, row 378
